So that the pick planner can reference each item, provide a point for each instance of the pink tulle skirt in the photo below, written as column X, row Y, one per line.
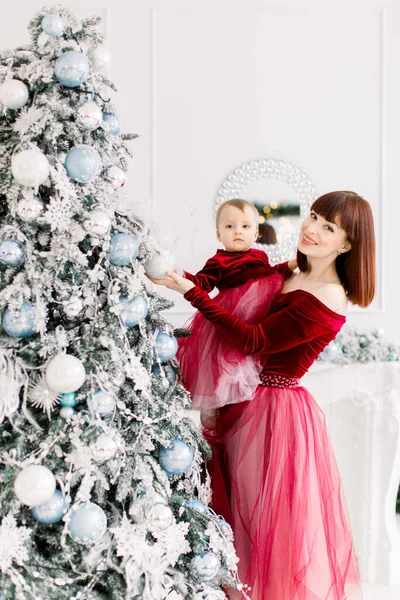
column 214, row 372
column 275, row 479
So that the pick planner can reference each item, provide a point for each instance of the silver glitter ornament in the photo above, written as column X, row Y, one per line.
column 29, row 209
column 89, row 116
column 159, row 517
column 104, row 448
column 74, row 306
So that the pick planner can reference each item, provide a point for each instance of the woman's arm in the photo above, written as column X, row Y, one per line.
column 291, row 326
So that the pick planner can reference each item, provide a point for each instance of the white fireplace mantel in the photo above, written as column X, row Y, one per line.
column 362, row 406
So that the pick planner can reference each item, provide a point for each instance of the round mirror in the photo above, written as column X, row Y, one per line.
column 282, row 194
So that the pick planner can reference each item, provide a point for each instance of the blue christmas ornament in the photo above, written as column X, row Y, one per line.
column 68, row 399
column 12, row 253
column 133, row 311
column 114, row 125
column 196, row 504
column 124, row 248
column 166, row 347
column 72, row 68
column 331, row 353
column 87, row 523
column 20, row 324
column 101, row 403
column 393, row 356
column 206, row 565
column 176, row 459
column 52, row 25
column 52, row 511
column 83, row 163
column 169, row 371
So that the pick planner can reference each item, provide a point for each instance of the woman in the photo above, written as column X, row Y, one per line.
column 274, row 473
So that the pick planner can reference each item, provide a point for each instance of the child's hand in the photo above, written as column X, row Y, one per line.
column 173, row 281
column 292, row 264
column 179, row 271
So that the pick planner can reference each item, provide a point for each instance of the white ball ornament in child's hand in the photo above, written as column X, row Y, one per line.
column 158, row 266
column 34, row 485
column 65, row 373
column 13, row 94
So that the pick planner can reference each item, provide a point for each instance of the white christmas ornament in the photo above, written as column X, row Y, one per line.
column 158, row 266
column 30, row 167
column 13, row 94
column 100, row 57
column 66, row 413
column 42, row 397
column 29, row 209
column 159, row 517
column 34, row 485
column 98, row 224
column 116, row 177
column 89, row 116
column 104, row 448
column 65, row 373
column 74, row 306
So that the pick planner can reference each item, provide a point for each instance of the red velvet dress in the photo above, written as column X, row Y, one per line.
column 275, row 478
column 215, row 372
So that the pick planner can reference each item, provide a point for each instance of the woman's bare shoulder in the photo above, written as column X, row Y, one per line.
column 333, row 295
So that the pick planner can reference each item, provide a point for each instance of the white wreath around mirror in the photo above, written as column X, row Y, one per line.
column 239, row 184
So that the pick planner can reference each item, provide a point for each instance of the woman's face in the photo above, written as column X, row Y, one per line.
column 321, row 239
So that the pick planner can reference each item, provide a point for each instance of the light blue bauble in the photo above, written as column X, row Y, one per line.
column 124, row 248
column 87, row 523
column 102, row 403
column 206, row 565
column 52, row 25
column 393, row 356
column 114, row 125
column 133, row 311
column 196, row 504
column 176, row 459
column 68, row 399
column 20, row 324
column 166, row 347
column 169, row 371
column 52, row 511
column 83, row 163
column 12, row 253
column 72, row 68
column 331, row 353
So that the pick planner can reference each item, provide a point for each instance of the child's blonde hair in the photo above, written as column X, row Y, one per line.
column 237, row 203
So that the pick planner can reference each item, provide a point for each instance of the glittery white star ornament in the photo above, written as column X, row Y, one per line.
column 13, row 540
column 42, row 397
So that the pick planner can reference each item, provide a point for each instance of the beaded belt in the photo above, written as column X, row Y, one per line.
column 279, row 381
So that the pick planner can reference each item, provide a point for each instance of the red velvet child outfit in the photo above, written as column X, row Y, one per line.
column 215, row 372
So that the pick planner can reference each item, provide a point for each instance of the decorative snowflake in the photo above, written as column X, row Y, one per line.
column 41, row 396
column 58, row 214
column 172, row 541
column 12, row 543
column 130, row 538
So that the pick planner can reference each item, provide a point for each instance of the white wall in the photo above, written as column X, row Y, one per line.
column 210, row 85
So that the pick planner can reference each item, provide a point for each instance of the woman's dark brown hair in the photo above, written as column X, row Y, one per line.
column 356, row 268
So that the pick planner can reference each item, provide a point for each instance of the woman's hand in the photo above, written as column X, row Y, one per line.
column 174, row 281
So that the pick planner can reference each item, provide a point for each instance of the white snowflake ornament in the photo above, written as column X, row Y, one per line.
column 13, row 543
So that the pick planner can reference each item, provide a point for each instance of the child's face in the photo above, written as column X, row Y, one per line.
column 237, row 229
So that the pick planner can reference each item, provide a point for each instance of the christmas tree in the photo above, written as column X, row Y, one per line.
column 103, row 491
